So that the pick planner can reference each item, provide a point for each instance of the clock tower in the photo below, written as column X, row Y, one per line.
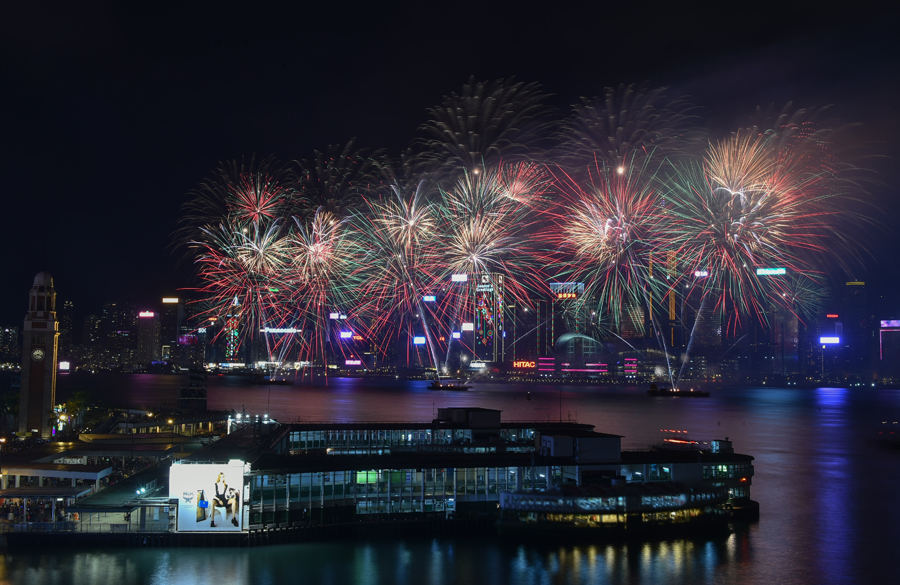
column 39, row 342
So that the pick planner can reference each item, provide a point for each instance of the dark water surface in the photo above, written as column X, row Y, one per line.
column 828, row 493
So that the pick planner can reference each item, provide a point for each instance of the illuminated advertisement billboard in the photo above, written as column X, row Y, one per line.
column 429, row 298
column 417, row 340
column 770, row 271
column 352, row 362
column 210, row 496
column 346, row 334
column 188, row 340
column 468, row 326
column 829, row 340
column 455, row 335
column 890, row 323
column 459, row 277
column 145, row 314
column 701, row 273
column 524, row 364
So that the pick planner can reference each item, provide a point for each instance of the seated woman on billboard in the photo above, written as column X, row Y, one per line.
column 226, row 497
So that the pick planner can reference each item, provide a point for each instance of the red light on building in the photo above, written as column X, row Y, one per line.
column 832, row 315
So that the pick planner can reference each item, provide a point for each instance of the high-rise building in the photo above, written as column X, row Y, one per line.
column 148, row 338
column 66, row 326
column 889, row 350
column 488, row 307
column 170, row 320
column 9, row 344
column 39, row 352
column 575, row 318
column 232, row 333
column 91, row 333
column 858, row 336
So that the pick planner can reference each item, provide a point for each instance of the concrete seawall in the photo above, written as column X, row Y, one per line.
column 363, row 530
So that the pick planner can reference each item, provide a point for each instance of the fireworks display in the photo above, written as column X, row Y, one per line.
column 627, row 205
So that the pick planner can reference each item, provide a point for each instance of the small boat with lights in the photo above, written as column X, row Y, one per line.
column 270, row 381
column 452, row 385
column 666, row 391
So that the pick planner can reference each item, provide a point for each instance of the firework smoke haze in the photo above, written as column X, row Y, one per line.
column 483, row 124
column 627, row 127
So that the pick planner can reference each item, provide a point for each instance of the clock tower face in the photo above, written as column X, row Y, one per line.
column 37, row 355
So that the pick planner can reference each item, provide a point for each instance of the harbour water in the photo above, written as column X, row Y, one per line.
column 827, row 491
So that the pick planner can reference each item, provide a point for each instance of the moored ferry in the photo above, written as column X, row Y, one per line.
column 617, row 510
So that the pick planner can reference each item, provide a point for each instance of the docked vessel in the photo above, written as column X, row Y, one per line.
column 453, row 385
column 665, row 391
column 616, row 511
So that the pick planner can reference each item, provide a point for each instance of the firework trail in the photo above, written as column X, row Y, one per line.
column 485, row 224
column 606, row 232
column 242, row 270
column 747, row 207
column 238, row 194
column 752, row 205
column 319, row 279
column 396, row 256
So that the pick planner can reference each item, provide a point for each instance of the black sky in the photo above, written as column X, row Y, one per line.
column 112, row 111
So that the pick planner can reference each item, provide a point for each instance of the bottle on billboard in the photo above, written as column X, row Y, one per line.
column 202, row 505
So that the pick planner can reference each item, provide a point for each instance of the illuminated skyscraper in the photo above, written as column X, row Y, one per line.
column 148, row 338
column 170, row 319
column 9, row 344
column 488, row 306
column 232, row 333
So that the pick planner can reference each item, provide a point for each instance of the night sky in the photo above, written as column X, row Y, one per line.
column 112, row 111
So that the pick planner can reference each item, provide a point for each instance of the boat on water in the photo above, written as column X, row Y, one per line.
column 452, row 385
column 889, row 435
column 270, row 381
column 666, row 391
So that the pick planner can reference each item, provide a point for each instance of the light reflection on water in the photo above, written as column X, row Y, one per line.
column 826, row 492
column 399, row 562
